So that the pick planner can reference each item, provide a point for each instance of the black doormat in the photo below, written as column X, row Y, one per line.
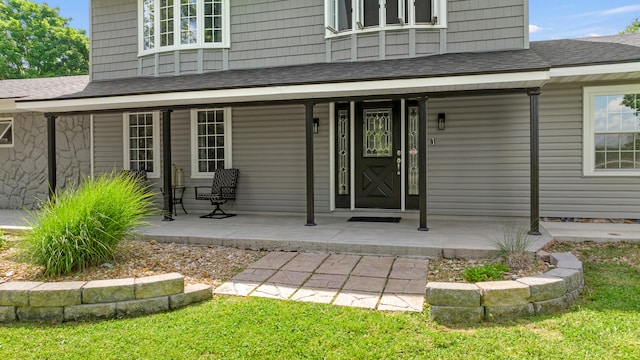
column 377, row 219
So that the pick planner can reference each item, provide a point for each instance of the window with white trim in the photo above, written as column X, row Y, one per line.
column 168, row 25
column 343, row 16
column 612, row 130
column 142, row 142
column 6, row 132
column 210, row 141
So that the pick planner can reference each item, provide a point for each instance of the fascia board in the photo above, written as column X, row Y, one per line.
column 290, row 92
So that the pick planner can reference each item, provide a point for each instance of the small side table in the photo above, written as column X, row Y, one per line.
column 178, row 193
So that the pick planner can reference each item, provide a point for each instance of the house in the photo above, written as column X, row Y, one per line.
column 438, row 107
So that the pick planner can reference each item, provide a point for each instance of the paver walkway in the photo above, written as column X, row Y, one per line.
column 374, row 282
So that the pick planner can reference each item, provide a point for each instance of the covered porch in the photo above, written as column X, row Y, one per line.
column 172, row 101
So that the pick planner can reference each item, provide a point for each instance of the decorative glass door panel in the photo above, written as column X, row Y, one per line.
column 377, row 167
column 377, row 133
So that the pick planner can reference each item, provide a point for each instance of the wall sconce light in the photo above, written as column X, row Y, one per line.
column 441, row 121
column 316, row 125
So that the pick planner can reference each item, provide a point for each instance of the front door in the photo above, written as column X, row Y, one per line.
column 377, row 155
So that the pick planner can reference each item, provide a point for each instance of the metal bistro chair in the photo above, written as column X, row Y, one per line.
column 221, row 190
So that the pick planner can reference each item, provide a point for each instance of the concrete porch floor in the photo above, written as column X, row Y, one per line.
column 459, row 236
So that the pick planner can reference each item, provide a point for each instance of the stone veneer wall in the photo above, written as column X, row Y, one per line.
column 548, row 293
column 100, row 299
column 23, row 167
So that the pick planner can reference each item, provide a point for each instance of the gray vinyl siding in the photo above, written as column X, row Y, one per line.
column 480, row 163
column 564, row 191
column 272, row 33
column 369, row 46
column 340, row 49
column 114, row 39
column 212, row 60
column 396, row 45
column 268, row 148
column 484, row 25
column 288, row 32
column 427, row 42
column 108, row 146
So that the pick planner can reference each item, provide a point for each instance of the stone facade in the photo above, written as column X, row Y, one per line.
column 23, row 167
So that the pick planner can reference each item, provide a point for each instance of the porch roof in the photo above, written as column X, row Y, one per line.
column 603, row 58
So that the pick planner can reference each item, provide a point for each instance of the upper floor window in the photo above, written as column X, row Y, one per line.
column 364, row 15
column 612, row 130
column 183, row 24
column 6, row 132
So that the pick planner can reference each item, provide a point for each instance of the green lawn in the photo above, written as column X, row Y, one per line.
column 604, row 324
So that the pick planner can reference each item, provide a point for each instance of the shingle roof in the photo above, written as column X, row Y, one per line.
column 542, row 55
column 42, row 88
column 428, row 66
column 589, row 51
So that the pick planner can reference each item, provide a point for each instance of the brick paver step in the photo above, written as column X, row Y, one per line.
column 385, row 283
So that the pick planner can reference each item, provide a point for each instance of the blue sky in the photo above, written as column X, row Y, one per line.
column 549, row 19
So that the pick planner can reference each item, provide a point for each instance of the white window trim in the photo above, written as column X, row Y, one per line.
column 228, row 159
column 439, row 11
column 588, row 127
column 226, row 30
column 11, row 128
column 156, row 142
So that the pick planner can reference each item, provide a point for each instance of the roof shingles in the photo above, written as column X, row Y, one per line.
column 541, row 56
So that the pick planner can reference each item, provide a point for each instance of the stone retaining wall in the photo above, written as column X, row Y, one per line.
column 548, row 293
column 99, row 299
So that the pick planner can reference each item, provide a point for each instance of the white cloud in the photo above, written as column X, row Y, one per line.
column 621, row 10
column 534, row 28
column 594, row 34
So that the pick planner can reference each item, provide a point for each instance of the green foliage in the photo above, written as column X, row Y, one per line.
column 3, row 240
column 83, row 225
column 485, row 272
column 515, row 240
column 602, row 325
column 35, row 41
column 634, row 27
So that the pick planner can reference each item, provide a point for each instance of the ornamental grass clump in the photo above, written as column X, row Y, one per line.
column 82, row 225
column 512, row 248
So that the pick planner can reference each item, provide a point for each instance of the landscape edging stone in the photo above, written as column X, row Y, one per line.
column 96, row 300
column 548, row 293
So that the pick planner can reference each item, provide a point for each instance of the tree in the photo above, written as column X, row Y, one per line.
column 35, row 41
column 633, row 27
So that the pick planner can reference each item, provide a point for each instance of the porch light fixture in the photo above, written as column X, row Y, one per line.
column 359, row 25
column 316, row 125
column 441, row 121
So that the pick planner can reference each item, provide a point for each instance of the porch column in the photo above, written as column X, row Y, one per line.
column 309, row 141
column 422, row 160
column 535, row 160
column 166, row 165
column 51, row 154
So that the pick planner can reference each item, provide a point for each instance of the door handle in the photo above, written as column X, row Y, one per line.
column 399, row 161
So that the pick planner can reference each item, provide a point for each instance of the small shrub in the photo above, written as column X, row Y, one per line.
column 3, row 240
column 512, row 248
column 486, row 272
column 82, row 226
